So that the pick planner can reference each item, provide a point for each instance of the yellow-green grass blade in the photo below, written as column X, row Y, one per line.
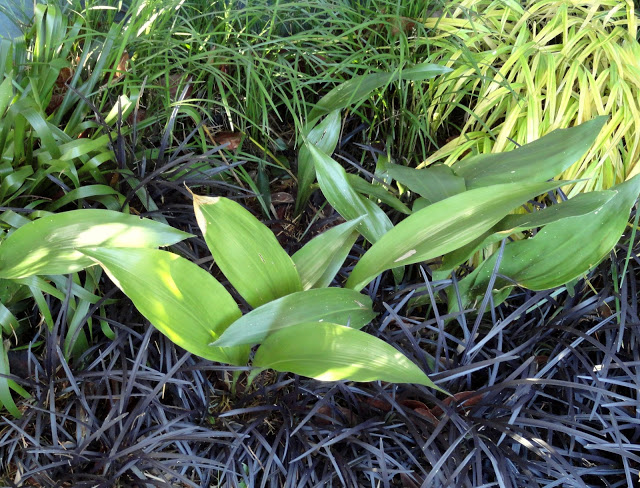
column 332, row 352
column 51, row 245
column 335, row 305
column 179, row 298
column 443, row 227
column 245, row 250
column 321, row 258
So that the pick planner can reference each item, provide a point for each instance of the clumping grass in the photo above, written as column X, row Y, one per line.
column 523, row 69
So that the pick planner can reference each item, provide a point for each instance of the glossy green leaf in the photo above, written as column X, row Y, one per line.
column 339, row 193
column 325, row 136
column 179, row 298
column 359, row 87
column 50, row 245
column 443, row 227
column 6, row 400
column 6, row 93
column 335, row 305
column 577, row 206
column 378, row 192
column 321, row 258
column 561, row 251
column 540, row 160
column 246, row 251
column 434, row 183
column 332, row 352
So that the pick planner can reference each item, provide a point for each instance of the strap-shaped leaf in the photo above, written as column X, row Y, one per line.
column 561, row 251
column 6, row 400
column 540, row 160
column 336, row 305
column 321, row 258
column 577, row 206
column 246, row 251
column 443, row 227
column 434, row 183
column 325, row 136
column 332, row 352
column 179, row 298
column 51, row 245
column 340, row 194
column 359, row 87
column 377, row 191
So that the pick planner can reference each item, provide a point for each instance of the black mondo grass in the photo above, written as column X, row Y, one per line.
column 545, row 394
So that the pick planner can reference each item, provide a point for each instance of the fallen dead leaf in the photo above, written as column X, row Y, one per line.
column 174, row 82
column 231, row 138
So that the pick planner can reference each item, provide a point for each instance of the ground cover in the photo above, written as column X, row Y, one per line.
column 544, row 383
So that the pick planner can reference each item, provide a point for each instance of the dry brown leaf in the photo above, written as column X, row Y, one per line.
column 174, row 85
column 123, row 65
column 231, row 138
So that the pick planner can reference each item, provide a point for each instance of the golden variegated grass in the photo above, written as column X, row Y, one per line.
column 524, row 71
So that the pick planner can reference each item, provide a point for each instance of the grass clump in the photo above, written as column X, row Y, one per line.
column 526, row 69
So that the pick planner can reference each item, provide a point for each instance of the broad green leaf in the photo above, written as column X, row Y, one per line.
column 359, row 87
column 8, row 321
column 335, row 305
column 321, row 258
column 179, row 298
column 51, row 245
column 434, row 183
column 562, row 251
column 443, row 227
column 325, row 136
column 339, row 193
column 579, row 205
column 6, row 384
column 6, row 93
column 377, row 191
column 540, row 160
column 332, row 352
column 246, row 251
column 419, row 204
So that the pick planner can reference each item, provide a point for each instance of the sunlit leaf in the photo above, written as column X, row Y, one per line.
column 50, row 245
column 335, row 305
column 434, row 183
column 246, row 251
column 325, row 137
column 443, row 227
column 579, row 205
column 540, row 160
column 179, row 298
column 338, row 191
column 332, row 352
column 321, row 258
column 561, row 251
